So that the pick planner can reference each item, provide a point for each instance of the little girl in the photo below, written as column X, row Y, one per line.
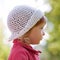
column 26, row 25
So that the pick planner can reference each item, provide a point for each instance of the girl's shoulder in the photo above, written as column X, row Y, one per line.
column 18, row 53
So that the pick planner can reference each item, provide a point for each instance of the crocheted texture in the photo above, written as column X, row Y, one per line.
column 21, row 19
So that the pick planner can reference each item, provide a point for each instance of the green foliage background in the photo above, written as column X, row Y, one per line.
column 53, row 43
column 4, row 49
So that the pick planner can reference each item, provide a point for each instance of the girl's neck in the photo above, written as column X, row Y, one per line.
column 25, row 41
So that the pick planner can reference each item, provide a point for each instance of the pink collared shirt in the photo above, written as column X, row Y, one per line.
column 21, row 51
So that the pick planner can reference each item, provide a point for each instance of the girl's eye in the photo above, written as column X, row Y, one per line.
column 41, row 28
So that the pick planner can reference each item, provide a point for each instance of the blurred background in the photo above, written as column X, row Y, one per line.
column 50, row 45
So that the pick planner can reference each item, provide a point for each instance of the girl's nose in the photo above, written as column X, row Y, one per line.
column 43, row 33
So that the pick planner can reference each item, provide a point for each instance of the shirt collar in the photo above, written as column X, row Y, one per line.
column 28, row 47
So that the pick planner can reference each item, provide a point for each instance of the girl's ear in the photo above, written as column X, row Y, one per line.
column 27, row 40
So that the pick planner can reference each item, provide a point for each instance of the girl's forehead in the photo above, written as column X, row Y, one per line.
column 42, row 21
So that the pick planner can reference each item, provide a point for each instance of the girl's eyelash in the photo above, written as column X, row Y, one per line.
column 41, row 28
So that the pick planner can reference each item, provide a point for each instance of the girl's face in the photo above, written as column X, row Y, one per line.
column 37, row 33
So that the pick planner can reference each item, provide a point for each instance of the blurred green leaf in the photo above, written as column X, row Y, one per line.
column 4, row 50
column 53, row 43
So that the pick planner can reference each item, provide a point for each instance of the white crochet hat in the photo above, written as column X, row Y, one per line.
column 21, row 19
